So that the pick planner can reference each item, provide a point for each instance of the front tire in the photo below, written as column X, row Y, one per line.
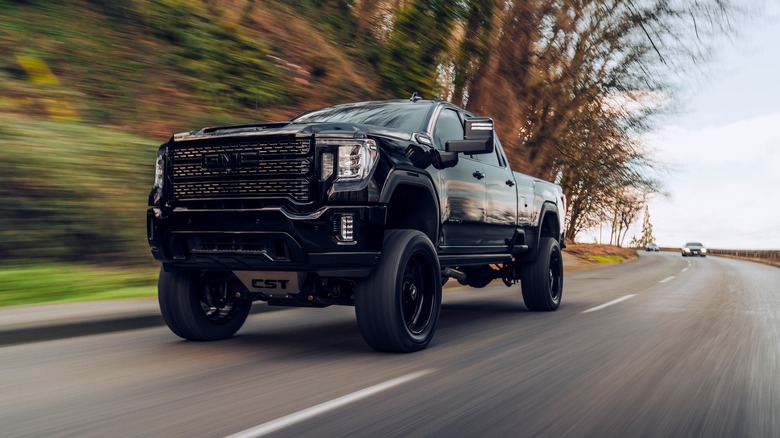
column 397, row 306
column 542, row 280
column 201, row 307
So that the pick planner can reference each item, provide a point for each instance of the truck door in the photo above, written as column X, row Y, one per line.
column 501, row 191
column 525, row 200
column 462, row 191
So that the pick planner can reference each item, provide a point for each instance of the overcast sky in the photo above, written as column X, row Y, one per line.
column 725, row 149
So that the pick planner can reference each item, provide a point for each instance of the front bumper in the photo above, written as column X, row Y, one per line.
column 267, row 239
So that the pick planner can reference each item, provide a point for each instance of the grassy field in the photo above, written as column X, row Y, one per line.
column 59, row 283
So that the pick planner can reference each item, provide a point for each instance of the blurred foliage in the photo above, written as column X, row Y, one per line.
column 73, row 192
column 421, row 32
column 155, row 67
column 214, row 56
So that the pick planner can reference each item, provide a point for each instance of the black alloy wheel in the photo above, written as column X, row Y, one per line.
column 397, row 306
column 542, row 281
column 416, row 296
column 201, row 306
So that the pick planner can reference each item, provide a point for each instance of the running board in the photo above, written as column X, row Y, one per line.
column 473, row 259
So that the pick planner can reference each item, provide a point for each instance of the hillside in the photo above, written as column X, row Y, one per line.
column 156, row 67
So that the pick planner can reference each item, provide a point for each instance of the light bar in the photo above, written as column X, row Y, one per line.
column 346, row 231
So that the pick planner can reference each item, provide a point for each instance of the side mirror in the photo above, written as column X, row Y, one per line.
column 479, row 137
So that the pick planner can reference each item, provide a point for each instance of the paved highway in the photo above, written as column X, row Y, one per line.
column 663, row 346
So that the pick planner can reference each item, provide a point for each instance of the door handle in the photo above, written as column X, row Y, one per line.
column 510, row 183
column 478, row 175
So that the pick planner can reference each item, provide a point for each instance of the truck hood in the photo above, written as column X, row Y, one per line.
column 320, row 129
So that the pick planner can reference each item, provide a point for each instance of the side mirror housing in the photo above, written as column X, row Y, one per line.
column 424, row 157
column 479, row 138
column 445, row 159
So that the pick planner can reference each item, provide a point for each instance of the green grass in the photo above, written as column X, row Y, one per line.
column 59, row 283
column 606, row 258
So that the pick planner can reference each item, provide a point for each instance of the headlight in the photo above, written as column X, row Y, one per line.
column 355, row 159
column 687, row 249
column 159, row 177
column 159, row 169
column 703, row 250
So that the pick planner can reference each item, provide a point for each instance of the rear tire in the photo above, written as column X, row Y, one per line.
column 542, row 280
column 201, row 307
column 397, row 306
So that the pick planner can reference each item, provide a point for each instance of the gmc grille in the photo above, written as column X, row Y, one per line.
column 262, row 169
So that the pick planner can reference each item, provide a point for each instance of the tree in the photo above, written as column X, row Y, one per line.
column 627, row 206
column 647, row 229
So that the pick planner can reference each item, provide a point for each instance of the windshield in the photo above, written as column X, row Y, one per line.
column 403, row 116
column 689, row 244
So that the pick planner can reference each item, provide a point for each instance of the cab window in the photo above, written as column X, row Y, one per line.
column 491, row 159
column 494, row 159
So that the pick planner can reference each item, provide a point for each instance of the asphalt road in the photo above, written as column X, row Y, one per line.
column 687, row 347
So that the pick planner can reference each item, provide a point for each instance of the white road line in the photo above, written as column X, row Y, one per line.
column 667, row 279
column 684, row 270
column 621, row 299
column 289, row 420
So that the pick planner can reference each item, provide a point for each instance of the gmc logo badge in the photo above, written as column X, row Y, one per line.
column 231, row 160
column 259, row 283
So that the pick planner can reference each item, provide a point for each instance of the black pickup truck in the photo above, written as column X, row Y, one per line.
column 373, row 204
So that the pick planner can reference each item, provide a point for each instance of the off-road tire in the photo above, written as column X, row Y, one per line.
column 397, row 306
column 542, row 280
column 185, row 304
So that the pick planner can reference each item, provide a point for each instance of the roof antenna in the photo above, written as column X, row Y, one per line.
column 415, row 97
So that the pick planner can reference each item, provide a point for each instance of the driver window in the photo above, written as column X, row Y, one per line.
column 491, row 159
column 448, row 127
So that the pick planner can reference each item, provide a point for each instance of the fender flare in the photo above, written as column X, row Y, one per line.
column 547, row 207
column 400, row 177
